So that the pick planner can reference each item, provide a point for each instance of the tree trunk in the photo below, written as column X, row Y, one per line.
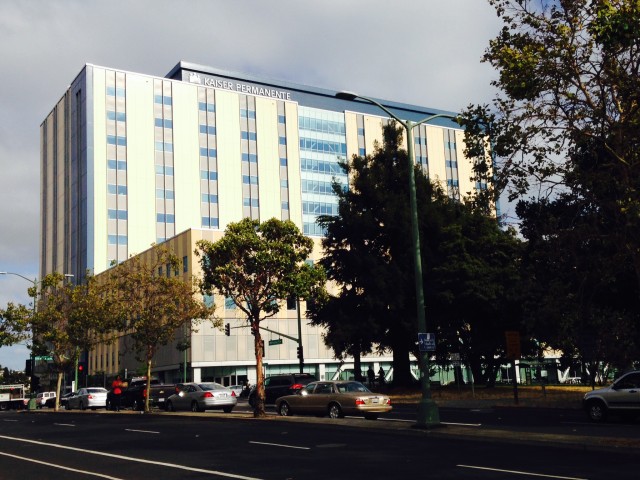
column 259, row 410
column 148, row 387
column 58, row 385
column 401, row 368
column 357, row 365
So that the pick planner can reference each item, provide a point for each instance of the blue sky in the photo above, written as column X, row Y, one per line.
column 423, row 52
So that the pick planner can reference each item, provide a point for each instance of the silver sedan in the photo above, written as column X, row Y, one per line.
column 336, row 399
column 199, row 397
column 90, row 397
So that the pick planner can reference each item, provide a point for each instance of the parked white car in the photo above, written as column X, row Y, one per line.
column 43, row 397
column 90, row 397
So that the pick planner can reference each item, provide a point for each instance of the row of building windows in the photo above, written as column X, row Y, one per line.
column 210, row 222
column 164, row 123
column 250, row 179
column 244, row 135
column 206, row 107
column 164, row 147
column 163, row 194
column 208, row 129
column 114, row 214
column 319, row 208
column 165, row 218
column 316, row 186
column 116, row 116
column 320, row 125
column 164, row 170
column 208, row 175
column 117, row 239
column 321, row 166
column 244, row 113
column 208, row 152
column 116, row 164
column 113, row 189
column 116, row 92
column 209, row 198
column 323, row 146
column 250, row 157
column 116, row 140
column 162, row 99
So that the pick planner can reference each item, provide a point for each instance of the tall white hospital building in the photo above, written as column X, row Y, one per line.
column 129, row 160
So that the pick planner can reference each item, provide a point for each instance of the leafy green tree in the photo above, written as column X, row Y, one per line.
column 564, row 130
column 153, row 308
column 70, row 318
column 14, row 324
column 258, row 266
column 475, row 285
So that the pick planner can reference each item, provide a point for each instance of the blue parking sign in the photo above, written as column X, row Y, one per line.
column 427, row 342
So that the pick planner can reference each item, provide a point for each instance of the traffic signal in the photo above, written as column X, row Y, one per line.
column 300, row 352
column 82, row 368
column 227, row 329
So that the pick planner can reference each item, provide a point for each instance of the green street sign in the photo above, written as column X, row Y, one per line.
column 277, row 341
column 44, row 358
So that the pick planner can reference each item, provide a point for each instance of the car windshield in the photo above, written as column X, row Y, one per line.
column 352, row 387
column 96, row 390
column 211, row 386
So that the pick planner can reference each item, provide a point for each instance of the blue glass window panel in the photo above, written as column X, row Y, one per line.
column 362, row 152
column 361, row 132
column 208, row 300
column 185, row 264
column 214, row 223
column 321, row 166
column 169, row 194
column 282, row 140
column 122, row 239
column 116, row 165
column 159, row 122
column 111, row 91
column 250, row 202
column 244, row 113
column 207, row 175
column 113, row 239
column 205, row 222
column 170, row 218
column 281, row 119
column 284, row 183
column 120, row 92
column 250, row 180
column 250, row 157
column 324, row 146
column 229, row 304
column 285, row 206
column 208, row 129
column 244, row 135
column 452, row 164
column 283, row 162
column 116, row 116
column 116, row 189
column 318, row 125
column 206, row 107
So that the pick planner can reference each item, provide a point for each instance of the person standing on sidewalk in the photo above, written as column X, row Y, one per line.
column 116, row 389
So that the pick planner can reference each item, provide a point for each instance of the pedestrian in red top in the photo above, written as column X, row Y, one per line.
column 116, row 389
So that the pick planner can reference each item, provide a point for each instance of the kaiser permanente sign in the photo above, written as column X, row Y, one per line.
column 239, row 87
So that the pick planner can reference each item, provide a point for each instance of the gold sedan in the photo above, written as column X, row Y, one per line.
column 336, row 399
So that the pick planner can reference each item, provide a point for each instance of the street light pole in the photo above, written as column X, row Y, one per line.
column 428, row 414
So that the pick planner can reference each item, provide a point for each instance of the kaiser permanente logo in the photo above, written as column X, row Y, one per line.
column 239, row 87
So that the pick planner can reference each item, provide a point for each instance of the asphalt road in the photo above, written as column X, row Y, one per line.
column 83, row 445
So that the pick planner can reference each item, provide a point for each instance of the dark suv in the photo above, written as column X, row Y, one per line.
column 277, row 386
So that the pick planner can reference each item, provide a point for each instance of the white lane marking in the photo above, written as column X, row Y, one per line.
column 280, row 445
column 5, row 420
column 519, row 472
column 141, row 431
column 131, row 459
column 86, row 472
column 413, row 421
column 65, row 424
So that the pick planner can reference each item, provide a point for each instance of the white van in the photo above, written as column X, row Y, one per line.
column 43, row 397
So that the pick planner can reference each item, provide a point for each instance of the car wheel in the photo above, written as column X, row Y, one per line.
column 67, row 406
column 82, row 407
column 227, row 409
column 108, row 405
column 169, row 407
column 136, row 405
column 252, row 401
column 284, row 409
column 596, row 410
column 371, row 416
column 335, row 411
column 195, row 407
